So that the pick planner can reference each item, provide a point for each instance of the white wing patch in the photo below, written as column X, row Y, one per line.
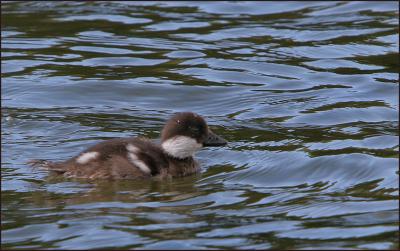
column 132, row 148
column 181, row 146
column 86, row 157
column 132, row 151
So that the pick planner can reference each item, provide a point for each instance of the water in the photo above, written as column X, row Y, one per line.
column 305, row 92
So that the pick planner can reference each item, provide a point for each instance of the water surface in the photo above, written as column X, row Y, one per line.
column 306, row 93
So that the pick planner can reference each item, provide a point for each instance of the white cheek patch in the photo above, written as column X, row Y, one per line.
column 86, row 157
column 181, row 146
column 138, row 163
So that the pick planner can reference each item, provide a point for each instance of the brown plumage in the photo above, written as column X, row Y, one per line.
column 138, row 158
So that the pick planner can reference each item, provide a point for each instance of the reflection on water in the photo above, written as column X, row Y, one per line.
column 305, row 92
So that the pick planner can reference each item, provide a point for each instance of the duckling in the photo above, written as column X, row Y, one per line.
column 183, row 135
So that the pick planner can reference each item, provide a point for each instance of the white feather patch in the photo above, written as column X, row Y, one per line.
column 86, row 157
column 138, row 163
column 181, row 146
column 132, row 148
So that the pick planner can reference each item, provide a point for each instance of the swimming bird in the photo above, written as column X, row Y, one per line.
column 182, row 136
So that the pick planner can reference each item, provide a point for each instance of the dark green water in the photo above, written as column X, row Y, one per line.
column 305, row 92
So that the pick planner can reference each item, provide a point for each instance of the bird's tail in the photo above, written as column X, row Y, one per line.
column 47, row 165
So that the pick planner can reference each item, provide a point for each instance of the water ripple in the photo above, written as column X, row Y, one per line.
column 306, row 93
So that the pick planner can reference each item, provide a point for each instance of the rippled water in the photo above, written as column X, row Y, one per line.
column 305, row 92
